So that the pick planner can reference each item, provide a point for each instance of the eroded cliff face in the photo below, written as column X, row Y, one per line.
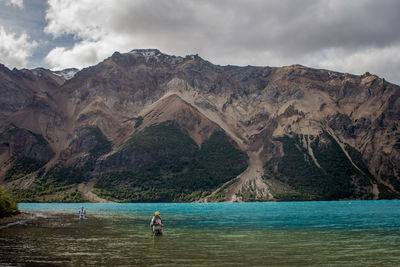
column 303, row 133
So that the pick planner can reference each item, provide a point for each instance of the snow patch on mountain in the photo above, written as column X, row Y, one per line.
column 159, row 56
column 67, row 73
column 146, row 52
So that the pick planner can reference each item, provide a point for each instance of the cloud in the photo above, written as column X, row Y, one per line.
column 331, row 33
column 15, row 50
column 82, row 54
column 18, row 3
column 385, row 61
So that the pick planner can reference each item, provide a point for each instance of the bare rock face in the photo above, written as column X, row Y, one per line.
column 22, row 152
column 308, row 134
column 23, row 143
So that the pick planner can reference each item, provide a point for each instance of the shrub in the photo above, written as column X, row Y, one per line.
column 8, row 206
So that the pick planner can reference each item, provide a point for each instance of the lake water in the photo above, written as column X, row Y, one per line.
column 346, row 233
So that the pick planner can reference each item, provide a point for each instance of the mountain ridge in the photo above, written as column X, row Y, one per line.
column 269, row 113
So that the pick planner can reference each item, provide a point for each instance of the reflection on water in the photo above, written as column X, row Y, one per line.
column 196, row 238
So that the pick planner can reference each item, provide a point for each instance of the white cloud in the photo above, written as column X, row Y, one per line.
column 15, row 50
column 88, row 22
column 350, row 37
column 82, row 54
column 18, row 3
column 82, row 18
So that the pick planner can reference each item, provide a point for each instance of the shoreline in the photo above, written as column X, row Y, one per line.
column 20, row 218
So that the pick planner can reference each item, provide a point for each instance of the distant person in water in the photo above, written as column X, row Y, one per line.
column 156, row 224
column 82, row 213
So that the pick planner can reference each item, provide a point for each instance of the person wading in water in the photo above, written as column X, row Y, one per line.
column 82, row 213
column 156, row 224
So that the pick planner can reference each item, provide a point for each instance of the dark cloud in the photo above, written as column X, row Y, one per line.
column 350, row 36
column 287, row 26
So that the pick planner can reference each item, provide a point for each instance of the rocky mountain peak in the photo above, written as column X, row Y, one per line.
column 340, row 132
column 146, row 52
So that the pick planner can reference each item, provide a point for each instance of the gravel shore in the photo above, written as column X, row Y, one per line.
column 18, row 219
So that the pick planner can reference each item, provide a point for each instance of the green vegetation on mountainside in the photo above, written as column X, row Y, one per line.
column 297, row 169
column 334, row 180
column 358, row 160
column 138, row 121
column 59, row 184
column 339, row 170
column 46, row 189
column 392, row 179
column 66, row 174
column 8, row 206
column 170, row 167
column 102, row 145
column 21, row 167
column 386, row 193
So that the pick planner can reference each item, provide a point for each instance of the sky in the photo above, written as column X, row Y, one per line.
column 354, row 36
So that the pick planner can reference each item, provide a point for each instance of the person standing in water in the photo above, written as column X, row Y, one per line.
column 82, row 213
column 156, row 224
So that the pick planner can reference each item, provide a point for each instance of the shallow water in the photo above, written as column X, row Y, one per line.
column 355, row 233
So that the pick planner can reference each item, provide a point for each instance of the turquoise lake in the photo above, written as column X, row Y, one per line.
column 342, row 233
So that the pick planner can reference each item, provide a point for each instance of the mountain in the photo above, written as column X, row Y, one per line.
column 144, row 126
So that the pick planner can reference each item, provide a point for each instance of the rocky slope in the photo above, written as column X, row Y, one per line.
column 145, row 126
